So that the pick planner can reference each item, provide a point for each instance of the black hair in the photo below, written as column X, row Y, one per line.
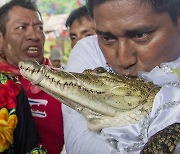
column 4, row 10
column 77, row 14
column 159, row 6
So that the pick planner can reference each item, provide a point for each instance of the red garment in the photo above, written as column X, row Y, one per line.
column 46, row 112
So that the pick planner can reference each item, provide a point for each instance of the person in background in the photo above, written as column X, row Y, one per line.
column 80, row 25
column 55, row 58
column 136, row 38
column 22, row 38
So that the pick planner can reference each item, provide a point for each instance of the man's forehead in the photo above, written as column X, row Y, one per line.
column 22, row 12
column 20, row 15
column 83, row 19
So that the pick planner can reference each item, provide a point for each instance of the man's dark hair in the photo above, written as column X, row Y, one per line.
column 4, row 10
column 77, row 14
column 159, row 6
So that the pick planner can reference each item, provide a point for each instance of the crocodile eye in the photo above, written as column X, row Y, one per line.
column 100, row 69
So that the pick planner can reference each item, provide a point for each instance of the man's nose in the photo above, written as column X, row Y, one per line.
column 126, row 53
column 80, row 37
column 32, row 33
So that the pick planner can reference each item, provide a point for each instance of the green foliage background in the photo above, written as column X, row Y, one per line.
column 62, row 6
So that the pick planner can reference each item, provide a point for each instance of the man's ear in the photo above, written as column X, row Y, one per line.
column 2, row 55
column 178, row 17
column 1, row 40
column 178, row 21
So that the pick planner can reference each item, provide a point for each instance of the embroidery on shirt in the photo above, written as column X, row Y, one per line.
column 108, row 68
column 38, row 102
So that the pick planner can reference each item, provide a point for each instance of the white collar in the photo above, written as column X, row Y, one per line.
column 165, row 73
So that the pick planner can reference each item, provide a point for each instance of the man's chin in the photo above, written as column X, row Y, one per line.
column 39, row 60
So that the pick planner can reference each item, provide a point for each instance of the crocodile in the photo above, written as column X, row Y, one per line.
column 105, row 99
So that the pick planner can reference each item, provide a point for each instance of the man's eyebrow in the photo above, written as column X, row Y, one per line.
column 39, row 23
column 27, row 23
column 145, row 29
column 108, row 34
column 72, row 34
column 129, row 33
column 85, row 31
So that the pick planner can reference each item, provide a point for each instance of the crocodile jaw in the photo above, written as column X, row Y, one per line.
column 63, row 84
column 102, row 98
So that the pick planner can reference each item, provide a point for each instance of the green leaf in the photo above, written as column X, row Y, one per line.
column 177, row 71
column 3, row 78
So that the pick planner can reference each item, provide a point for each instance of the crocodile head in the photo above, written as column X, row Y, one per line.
column 105, row 99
